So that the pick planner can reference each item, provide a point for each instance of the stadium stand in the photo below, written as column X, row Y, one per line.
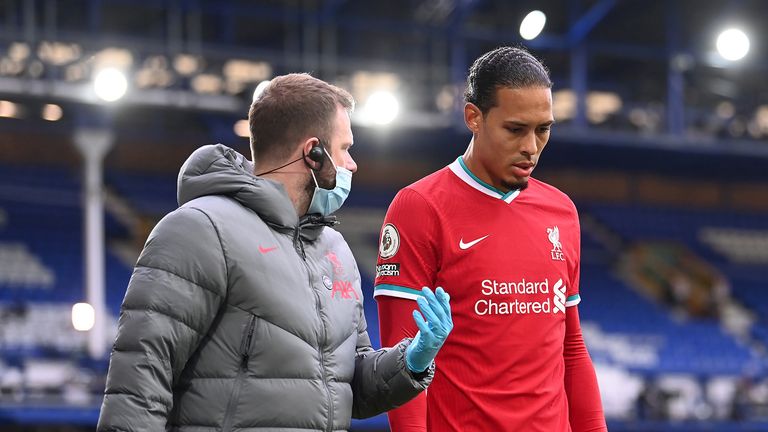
column 644, row 350
column 42, row 358
column 659, row 141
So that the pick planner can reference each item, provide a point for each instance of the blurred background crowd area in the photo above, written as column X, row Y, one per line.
column 661, row 141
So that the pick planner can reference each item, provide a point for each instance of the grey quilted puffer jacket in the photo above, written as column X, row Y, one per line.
column 241, row 316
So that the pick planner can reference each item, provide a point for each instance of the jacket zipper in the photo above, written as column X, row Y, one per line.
column 329, row 427
column 245, row 348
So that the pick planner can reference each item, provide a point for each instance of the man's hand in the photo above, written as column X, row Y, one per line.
column 436, row 308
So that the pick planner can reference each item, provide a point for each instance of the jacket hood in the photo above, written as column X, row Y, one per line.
column 219, row 170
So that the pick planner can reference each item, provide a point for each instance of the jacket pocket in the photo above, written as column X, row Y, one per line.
column 245, row 349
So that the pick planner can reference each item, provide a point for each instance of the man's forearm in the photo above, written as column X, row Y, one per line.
column 586, row 410
column 395, row 323
column 382, row 381
column 585, row 407
column 411, row 417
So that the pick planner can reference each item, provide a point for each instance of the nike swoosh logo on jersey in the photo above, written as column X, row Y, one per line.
column 464, row 246
column 264, row 250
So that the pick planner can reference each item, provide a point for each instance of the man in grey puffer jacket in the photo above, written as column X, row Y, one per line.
column 243, row 315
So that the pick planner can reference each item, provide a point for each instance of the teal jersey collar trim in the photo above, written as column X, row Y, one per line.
column 462, row 171
column 476, row 178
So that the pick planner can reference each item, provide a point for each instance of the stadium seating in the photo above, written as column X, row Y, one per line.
column 711, row 234
column 150, row 194
column 41, row 238
column 638, row 344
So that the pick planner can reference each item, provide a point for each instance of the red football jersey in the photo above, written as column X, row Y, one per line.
column 511, row 265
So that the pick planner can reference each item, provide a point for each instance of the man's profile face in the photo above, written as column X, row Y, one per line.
column 338, row 147
column 511, row 136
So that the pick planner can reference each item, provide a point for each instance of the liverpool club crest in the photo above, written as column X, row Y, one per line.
column 557, row 249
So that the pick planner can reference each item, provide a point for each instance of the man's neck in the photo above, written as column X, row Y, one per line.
column 475, row 166
column 472, row 162
column 295, row 184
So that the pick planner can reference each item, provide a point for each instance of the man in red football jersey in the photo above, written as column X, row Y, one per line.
column 505, row 247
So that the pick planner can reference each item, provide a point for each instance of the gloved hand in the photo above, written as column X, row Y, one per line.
column 436, row 308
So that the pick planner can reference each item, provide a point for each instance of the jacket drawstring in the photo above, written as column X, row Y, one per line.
column 309, row 221
column 298, row 244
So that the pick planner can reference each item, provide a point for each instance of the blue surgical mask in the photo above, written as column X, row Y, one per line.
column 327, row 201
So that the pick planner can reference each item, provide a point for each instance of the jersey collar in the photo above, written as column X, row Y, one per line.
column 460, row 169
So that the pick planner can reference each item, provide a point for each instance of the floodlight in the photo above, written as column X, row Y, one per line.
column 532, row 24
column 381, row 107
column 110, row 84
column 242, row 129
column 52, row 112
column 83, row 316
column 8, row 109
column 733, row 44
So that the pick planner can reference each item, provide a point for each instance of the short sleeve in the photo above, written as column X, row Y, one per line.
column 408, row 253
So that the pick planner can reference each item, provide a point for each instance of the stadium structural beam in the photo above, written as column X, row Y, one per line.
column 579, row 84
column 80, row 93
column 579, row 58
column 458, row 56
column 93, row 145
column 294, row 17
column 328, row 44
column 29, row 17
column 329, row 9
column 310, row 41
column 291, row 13
column 584, row 24
column 675, row 78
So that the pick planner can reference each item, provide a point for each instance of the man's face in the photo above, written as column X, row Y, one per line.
column 338, row 146
column 509, row 139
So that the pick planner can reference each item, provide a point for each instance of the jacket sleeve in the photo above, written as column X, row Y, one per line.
column 382, row 381
column 174, row 294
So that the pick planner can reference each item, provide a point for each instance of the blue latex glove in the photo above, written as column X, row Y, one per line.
column 436, row 308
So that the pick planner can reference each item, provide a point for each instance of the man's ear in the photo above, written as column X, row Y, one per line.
column 306, row 150
column 472, row 117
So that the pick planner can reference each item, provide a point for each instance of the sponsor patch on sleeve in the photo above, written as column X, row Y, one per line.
column 388, row 269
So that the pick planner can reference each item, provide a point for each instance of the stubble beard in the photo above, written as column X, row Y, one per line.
column 309, row 189
column 520, row 186
column 321, row 183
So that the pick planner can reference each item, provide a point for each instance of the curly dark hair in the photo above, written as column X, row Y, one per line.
column 511, row 67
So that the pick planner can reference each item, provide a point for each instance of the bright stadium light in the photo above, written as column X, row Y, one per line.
column 242, row 129
column 381, row 108
column 110, row 84
column 83, row 316
column 733, row 44
column 52, row 112
column 8, row 109
column 532, row 24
